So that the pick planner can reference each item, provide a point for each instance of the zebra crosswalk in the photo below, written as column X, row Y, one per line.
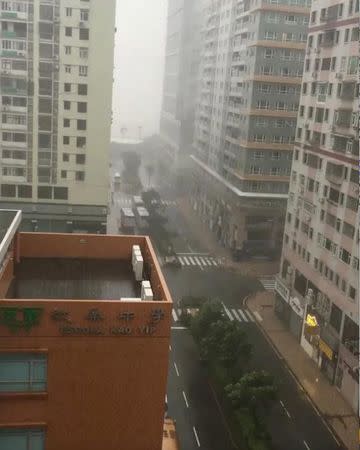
column 193, row 259
column 268, row 283
column 237, row 314
column 127, row 202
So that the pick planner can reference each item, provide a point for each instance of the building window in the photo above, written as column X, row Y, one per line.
column 67, row 50
column 81, row 124
column 67, row 105
column 82, row 107
column 23, row 372
column 67, row 69
column 68, row 31
column 22, row 438
column 68, row 12
column 84, row 34
column 80, row 141
column 347, row 33
column 63, row 174
column 79, row 176
column 83, row 52
column 80, row 159
column 66, row 157
column 66, row 140
column 66, row 123
column 82, row 89
column 60, row 193
column 84, row 15
column 83, row 71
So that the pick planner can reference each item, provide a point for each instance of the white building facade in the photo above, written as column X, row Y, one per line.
column 56, row 62
column 318, row 287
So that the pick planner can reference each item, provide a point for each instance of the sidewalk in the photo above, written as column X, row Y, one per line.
column 208, row 240
column 337, row 413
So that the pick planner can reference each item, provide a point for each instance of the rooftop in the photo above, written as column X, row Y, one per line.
column 76, row 279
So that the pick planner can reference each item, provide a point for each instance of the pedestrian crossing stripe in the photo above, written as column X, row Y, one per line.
column 268, row 283
column 128, row 202
column 240, row 315
column 198, row 261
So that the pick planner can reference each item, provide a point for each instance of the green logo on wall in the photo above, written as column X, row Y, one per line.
column 20, row 318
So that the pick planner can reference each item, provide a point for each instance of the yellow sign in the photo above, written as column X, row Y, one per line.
column 326, row 349
column 311, row 321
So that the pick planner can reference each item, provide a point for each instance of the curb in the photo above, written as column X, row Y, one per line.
column 328, row 425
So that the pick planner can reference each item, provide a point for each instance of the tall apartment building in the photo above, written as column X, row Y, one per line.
column 56, row 65
column 84, row 341
column 180, row 79
column 252, row 62
column 317, row 290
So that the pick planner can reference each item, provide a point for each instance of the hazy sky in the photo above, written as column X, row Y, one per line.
column 139, row 59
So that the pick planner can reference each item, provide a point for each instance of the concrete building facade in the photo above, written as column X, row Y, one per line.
column 180, row 79
column 318, row 288
column 84, row 341
column 251, row 67
column 56, row 65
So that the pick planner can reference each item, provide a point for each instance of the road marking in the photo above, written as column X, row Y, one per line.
column 286, row 411
column 186, row 261
column 227, row 312
column 185, row 399
column 178, row 328
column 208, row 260
column 170, row 347
column 236, row 315
column 181, row 261
column 176, row 369
column 243, row 315
column 192, row 261
column 175, row 317
column 308, row 448
column 248, row 313
column 197, row 260
column 204, row 263
column 214, row 262
column 257, row 315
column 196, row 437
column 193, row 253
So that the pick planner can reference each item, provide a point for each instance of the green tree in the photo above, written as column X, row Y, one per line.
column 255, row 391
column 209, row 313
column 226, row 344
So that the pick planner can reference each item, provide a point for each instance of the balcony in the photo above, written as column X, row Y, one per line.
column 348, row 91
column 13, row 161
column 343, row 118
column 13, row 90
column 13, row 15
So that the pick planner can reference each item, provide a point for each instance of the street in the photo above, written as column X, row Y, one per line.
column 293, row 424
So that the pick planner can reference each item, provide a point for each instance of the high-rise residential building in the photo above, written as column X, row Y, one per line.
column 251, row 67
column 180, row 79
column 84, row 341
column 56, row 62
column 318, row 287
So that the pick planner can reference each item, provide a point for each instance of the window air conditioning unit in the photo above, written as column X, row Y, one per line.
column 338, row 75
column 322, row 200
column 302, row 190
column 317, row 50
column 82, row 24
column 307, row 124
column 314, row 74
column 70, row 210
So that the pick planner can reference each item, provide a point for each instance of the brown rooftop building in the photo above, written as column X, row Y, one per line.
column 84, row 341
